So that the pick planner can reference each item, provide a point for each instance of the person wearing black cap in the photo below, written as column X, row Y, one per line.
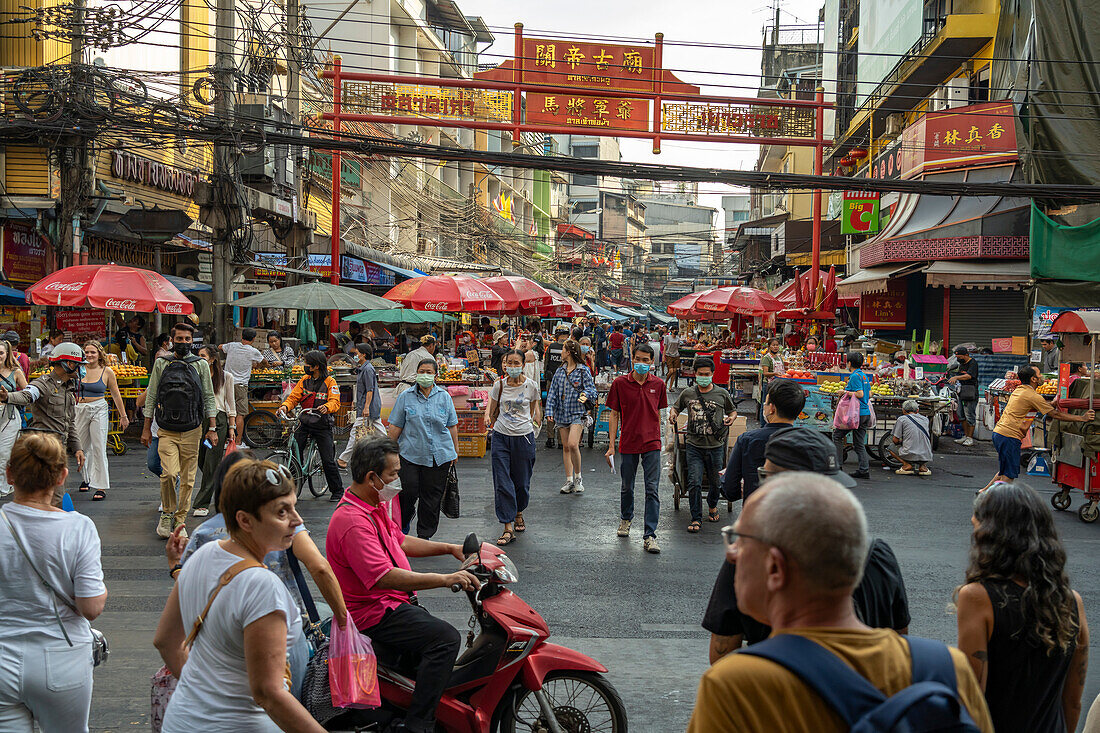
column 967, row 378
column 783, row 402
column 880, row 598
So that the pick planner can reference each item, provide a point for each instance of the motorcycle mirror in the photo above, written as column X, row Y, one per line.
column 471, row 545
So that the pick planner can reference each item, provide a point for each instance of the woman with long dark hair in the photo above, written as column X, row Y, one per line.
column 571, row 393
column 224, row 401
column 1021, row 626
column 319, row 391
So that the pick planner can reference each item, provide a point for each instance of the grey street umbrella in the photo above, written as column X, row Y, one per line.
column 316, row 296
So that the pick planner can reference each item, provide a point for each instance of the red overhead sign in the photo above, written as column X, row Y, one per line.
column 608, row 66
column 24, row 258
column 885, row 311
column 575, row 110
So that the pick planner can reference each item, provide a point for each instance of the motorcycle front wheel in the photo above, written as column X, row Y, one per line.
column 583, row 702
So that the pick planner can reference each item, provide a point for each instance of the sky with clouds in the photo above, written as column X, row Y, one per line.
column 707, row 23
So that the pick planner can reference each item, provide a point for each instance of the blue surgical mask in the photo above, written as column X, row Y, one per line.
column 82, row 371
column 585, row 348
column 514, row 372
column 704, row 381
column 642, row 369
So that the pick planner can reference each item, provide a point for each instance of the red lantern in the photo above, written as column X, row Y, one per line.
column 858, row 153
column 847, row 161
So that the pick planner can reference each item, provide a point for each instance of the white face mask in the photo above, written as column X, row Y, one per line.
column 390, row 490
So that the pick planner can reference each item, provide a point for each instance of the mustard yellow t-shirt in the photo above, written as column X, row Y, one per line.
column 1017, row 417
column 746, row 694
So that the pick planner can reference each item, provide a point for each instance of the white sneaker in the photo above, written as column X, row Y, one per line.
column 624, row 528
column 241, row 445
column 569, row 486
column 961, row 440
column 578, row 487
column 968, row 441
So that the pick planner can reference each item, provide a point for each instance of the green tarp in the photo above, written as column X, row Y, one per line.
column 1060, row 252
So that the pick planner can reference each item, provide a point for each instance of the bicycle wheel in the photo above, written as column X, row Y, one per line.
column 314, row 471
column 284, row 458
column 262, row 429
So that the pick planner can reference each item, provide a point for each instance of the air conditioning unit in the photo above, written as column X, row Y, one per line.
column 956, row 93
column 894, row 124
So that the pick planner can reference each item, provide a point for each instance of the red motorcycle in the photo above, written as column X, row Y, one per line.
column 509, row 678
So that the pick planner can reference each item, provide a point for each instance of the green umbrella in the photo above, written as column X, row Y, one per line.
column 317, row 296
column 398, row 315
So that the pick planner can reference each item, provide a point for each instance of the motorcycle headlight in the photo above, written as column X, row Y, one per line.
column 508, row 573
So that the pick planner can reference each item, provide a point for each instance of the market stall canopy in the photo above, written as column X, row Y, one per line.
column 520, row 294
column 874, row 279
column 111, row 287
column 1076, row 322
column 316, row 296
column 11, row 296
column 660, row 317
column 602, row 312
column 629, row 312
column 186, row 285
column 737, row 300
column 998, row 275
column 398, row 315
column 685, row 306
column 786, row 292
column 454, row 293
column 561, row 307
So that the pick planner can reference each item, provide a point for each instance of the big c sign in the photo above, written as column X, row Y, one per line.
column 859, row 213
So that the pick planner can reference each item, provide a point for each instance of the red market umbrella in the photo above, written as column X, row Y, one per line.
column 561, row 307
column 452, row 293
column 111, row 287
column 520, row 294
column 685, row 306
column 737, row 299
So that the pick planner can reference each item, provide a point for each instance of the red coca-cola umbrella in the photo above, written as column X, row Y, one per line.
column 685, row 306
column 453, row 293
column 113, row 287
column 520, row 294
column 561, row 307
column 738, row 300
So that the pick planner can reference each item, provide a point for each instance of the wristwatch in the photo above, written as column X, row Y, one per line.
column 175, row 568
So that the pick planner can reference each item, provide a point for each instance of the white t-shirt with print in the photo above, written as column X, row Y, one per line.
column 239, row 359
column 213, row 693
column 514, row 417
column 64, row 546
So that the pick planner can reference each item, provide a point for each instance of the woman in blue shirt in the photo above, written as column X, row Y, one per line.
column 859, row 385
column 425, row 425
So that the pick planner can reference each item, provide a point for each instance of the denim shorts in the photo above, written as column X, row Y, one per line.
column 1008, row 455
column 969, row 411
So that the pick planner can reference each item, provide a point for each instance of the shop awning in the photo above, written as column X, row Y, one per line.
column 604, row 312
column 11, row 296
column 629, row 312
column 186, row 285
column 874, row 279
column 1002, row 275
column 661, row 317
column 400, row 270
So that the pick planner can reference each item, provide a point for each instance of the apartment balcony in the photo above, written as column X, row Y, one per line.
column 945, row 42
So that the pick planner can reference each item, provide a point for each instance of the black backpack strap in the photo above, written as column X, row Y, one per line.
column 300, row 581
column 843, row 689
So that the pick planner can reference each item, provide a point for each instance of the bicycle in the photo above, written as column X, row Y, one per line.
column 303, row 462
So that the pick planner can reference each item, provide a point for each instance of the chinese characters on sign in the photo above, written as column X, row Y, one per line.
column 728, row 119
column 884, row 311
column 576, row 110
column 24, row 257
column 397, row 99
column 859, row 213
column 963, row 137
column 614, row 67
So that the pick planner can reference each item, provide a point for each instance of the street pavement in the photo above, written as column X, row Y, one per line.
column 636, row 613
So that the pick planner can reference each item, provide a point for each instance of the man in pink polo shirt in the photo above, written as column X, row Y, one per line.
column 635, row 401
column 370, row 557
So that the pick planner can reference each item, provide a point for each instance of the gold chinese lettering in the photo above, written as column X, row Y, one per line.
column 996, row 131
column 602, row 60
column 550, row 104
column 974, row 137
column 632, row 62
column 625, row 109
column 544, row 54
column 951, row 138
column 573, row 57
column 576, row 106
column 600, row 106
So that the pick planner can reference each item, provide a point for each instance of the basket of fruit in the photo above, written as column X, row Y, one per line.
column 129, row 372
column 800, row 375
column 831, row 388
column 1049, row 388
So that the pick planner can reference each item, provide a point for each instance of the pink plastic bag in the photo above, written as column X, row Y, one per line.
column 352, row 669
column 846, row 416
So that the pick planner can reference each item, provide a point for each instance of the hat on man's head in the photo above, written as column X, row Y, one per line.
column 499, row 335
column 561, row 328
column 962, row 350
column 806, row 449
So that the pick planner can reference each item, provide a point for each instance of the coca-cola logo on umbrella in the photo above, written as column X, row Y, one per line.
column 120, row 305
column 435, row 306
column 172, row 308
column 65, row 287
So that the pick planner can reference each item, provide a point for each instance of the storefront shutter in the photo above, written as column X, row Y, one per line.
column 979, row 316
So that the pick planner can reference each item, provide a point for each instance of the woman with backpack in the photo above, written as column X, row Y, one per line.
column 572, row 393
column 1021, row 626
column 514, row 411
column 317, row 391
column 11, row 420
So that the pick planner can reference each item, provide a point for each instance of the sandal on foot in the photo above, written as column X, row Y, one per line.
column 694, row 527
column 84, row 487
column 714, row 516
column 506, row 538
column 520, row 524
column 99, row 495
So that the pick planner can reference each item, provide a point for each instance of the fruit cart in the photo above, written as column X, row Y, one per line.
column 1076, row 445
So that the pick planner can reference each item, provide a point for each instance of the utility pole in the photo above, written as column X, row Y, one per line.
column 294, row 109
column 227, row 217
column 73, row 160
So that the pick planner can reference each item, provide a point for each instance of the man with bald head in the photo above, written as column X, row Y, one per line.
column 799, row 547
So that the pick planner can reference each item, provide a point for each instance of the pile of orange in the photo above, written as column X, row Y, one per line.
column 798, row 374
column 125, row 372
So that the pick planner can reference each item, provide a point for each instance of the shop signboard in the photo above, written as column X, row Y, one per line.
column 575, row 110
column 378, row 275
column 608, row 66
column 860, row 213
column 84, row 321
column 24, row 258
column 1042, row 317
column 352, row 269
column 884, row 311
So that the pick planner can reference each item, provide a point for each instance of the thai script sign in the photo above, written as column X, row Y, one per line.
column 130, row 167
column 733, row 119
column 406, row 100
column 24, row 257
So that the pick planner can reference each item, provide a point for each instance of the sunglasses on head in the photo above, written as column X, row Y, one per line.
column 273, row 475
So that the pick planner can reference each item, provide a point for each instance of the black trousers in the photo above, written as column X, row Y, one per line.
column 326, row 448
column 409, row 631
column 422, row 493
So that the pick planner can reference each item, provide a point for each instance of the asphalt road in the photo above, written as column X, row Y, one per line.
column 636, row 613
